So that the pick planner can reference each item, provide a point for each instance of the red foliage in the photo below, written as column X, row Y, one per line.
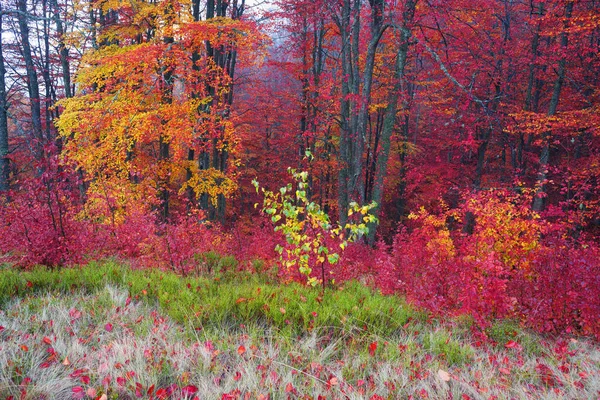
column 552, row 284
column 38, row 222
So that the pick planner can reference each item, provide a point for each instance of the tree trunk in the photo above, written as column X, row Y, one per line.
column 391, row 110
column 163, row 152
column 539, row 202
column 48, row 84
column 345, row 106
column 32, row 82
column 63, row 51
column 354, row 114
column 4, row 161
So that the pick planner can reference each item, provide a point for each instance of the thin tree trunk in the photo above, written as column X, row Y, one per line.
column 164, row 146
column 4, row 160
column 345, row 106
column 32, row 82
column 48, row 84
column 63, row 51
column 539, row 202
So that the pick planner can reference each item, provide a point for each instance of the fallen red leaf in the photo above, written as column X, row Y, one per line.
column 78, row 392
column 289, row 388
column 372, row 348
column 91, row 392
column 189, row 390
column 139, row 390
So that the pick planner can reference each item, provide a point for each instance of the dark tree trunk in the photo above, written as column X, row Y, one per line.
column 4, row 160
column 539, row 202
column 63, row 51
column 32, row 82
column 391, row 110
column 354, row 114
column 164, row 145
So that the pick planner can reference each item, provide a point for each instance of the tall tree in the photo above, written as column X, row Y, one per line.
column 166, row 94
column 540, row 198
column 404, row 29
column 4, row 151
column 355, row 96
column 33, row 86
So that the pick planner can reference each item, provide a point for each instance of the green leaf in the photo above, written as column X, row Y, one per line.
column 333, row 258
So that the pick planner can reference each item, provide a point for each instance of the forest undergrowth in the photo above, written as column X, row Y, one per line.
column 106, row 331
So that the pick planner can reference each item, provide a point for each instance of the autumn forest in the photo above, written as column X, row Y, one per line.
column 446, row 151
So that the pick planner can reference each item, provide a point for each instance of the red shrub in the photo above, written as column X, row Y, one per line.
column 511, row 265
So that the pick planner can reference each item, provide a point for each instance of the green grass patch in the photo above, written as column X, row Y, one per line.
column 441, row 343
column 228, row 300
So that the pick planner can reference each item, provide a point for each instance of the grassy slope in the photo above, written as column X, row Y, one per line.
column 104, row 328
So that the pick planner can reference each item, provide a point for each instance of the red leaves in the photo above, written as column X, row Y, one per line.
column 289, row 388
column 74, row 313
column 333, row 381
column 520, row 270
column 372, row 348
column 189, row 390
column 139, row 390
column 547, row 376
column 78, row 392
column 162, row 394
column 511, row 344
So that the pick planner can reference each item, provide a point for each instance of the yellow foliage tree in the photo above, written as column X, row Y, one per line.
column 150, row 97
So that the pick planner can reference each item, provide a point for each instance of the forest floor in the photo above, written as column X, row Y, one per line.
column 105, row 331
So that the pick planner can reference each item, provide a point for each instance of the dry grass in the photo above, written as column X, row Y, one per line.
column 83, row 346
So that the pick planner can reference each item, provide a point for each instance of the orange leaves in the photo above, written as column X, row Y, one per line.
column 567, row 123
column 241, row 350
column 506, row 226
column 144, row 107
column 219, row 31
